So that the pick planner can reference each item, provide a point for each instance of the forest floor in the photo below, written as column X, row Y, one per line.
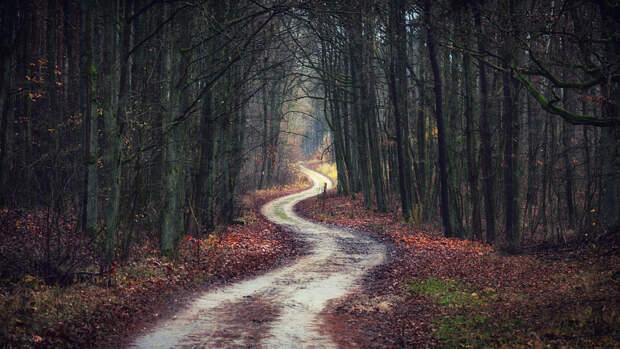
column 430, row 291
column 104, row 311
column 452, row 293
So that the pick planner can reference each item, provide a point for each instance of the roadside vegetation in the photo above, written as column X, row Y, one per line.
column 101, row 309
column 453, row 293
column 328, row 169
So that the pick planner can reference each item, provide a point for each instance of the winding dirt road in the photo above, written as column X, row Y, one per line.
column 278, row 309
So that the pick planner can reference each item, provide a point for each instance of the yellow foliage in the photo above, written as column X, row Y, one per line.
column 329, row 169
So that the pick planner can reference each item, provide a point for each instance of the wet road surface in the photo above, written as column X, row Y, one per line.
column 279, row 309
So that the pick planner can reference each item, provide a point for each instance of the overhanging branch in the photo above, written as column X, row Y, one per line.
column 573, row 118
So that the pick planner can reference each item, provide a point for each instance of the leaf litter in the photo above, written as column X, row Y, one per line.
column 446, row 292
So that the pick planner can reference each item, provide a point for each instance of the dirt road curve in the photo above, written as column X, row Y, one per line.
column 278, row 309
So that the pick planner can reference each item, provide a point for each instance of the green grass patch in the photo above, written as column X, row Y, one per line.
column 448, row 292
column 281, row 214
column 466, row 324
column 141, row 271
column 462, row 330
column 475, row 330
column 469, row 318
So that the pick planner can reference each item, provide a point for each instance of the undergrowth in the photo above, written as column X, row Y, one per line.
column 461, row 294
column 100, row 309
column 465, row 323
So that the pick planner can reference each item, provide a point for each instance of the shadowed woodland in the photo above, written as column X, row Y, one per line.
column 135, row 130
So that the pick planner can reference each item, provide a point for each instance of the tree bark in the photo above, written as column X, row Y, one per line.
column 511, row 148
column 398, row 92
column 361, row 123
column 472, row 163
column 369, row 109
column 442, row 150
column 112, row 146
column 8, row 50
column 88, row 87
column 175, row 61
column 485, row 140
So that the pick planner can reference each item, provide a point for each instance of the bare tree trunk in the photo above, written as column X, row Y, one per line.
column 610, row 140
column 485, row 141
column 175, row 61
column 568, row 133
column 8, row 49
column 112, row 146
column 357, row 78
column 533, row 126
column 369, row 109
column 511, row 148
column 446, row 215
column 472, row 163
column 398, row 92
column 261, row 184
column 88, row 86
column 354, row 173
column 511, row 153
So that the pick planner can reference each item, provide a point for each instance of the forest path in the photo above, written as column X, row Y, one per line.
column 279, row 309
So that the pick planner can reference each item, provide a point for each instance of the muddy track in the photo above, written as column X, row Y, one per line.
column 279, row 309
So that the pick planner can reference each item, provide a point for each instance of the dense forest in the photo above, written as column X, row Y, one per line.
column 499, row 117
column 144, row 115
column 133, row 121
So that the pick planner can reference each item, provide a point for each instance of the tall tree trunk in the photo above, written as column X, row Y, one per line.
column 568, row 134
column 341, row 157
column 545, row 149
column 610, row 140
column 236, row 138
column 423, row 161
column 369, row 109
column 533, row 127
column 454, row 163
column 357, row 79
column 112, row 146
column 472, row 163
column 446, row 215
column 175, row 61
column 610, row 149
column 588, row 173
column 511, row 153
column 53, row 105
column 204, row 195
column 511, row 148
column 398, row 92
column 265, row 152
column 274, row 132
column 346, row 138
column 485, row 140
column 88, row 87
column 353, row 107
column 8, row 49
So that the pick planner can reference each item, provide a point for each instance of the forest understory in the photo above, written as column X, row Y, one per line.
column 105, row 310
column 445, row 292
column 432, row 292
